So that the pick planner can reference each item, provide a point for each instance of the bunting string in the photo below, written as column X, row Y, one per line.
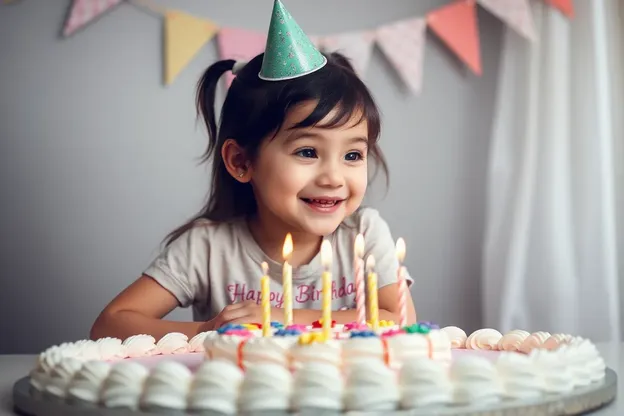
column 401, row 42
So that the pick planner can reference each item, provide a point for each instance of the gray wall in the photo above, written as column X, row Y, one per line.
column 98, row 160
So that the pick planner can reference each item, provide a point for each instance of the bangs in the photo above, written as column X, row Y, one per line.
column 349, row 99
column 335, row 88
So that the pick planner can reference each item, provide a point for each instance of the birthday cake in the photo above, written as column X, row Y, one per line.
column 238, row 370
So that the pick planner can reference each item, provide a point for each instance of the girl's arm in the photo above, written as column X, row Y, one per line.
column 388, row 309
column 139, row 309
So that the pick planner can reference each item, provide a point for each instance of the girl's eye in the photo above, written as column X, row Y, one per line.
column 307, row 153
column 353, row 156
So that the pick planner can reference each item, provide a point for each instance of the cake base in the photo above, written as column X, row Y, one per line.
column 580, row 401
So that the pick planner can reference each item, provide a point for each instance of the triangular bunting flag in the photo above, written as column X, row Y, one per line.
column 514, row 13
column 240, row 45
column 565, row 6
column 83, row 12
column 403, row 43
column 456, row 25
column 357, row 46
column 185, row 35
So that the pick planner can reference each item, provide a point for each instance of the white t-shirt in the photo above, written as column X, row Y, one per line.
column 213, row 265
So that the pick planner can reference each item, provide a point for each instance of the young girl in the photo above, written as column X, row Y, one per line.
column 287, row 157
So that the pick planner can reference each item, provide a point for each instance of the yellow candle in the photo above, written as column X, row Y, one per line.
column 287, row 280
column 326, row 260
column 266, row 301
column 373, row 305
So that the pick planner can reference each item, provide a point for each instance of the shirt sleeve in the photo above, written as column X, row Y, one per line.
column 380, row 244
column 182, row 267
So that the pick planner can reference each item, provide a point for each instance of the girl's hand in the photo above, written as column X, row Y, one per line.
column 247, row 312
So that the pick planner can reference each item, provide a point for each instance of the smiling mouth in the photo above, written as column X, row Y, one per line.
column 322, row 203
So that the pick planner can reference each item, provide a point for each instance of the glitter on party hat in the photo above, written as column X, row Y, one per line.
column 289, row 53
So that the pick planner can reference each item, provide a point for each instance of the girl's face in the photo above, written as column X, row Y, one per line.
column 309, row 179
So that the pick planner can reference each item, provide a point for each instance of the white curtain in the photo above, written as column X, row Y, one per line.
column 550, row 259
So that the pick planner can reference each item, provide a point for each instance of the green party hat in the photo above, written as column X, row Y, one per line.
column 289, row 53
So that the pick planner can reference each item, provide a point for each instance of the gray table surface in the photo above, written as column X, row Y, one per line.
column 14, row 367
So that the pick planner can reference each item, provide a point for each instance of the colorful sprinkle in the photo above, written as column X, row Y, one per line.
column 363, row 334
column 296, row 327
column 229, row 327
column 278, row 325
column 311, row 338
column 252, row 327
column 238, row 332
column 356, row 326
column 417, row 329
column 287, row 332
column 392, row 333
column 319, row 324
column 430, row 325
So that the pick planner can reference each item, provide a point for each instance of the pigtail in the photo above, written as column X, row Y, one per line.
column 205, row 100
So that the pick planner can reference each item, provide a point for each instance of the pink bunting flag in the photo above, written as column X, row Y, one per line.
column 403, row 43
column 83, row 12
column 515, row 14
column 565, row 6
column 357, row 46
column 240, row 45
column 456, row 25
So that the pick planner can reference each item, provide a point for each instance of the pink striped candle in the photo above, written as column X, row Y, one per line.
column 402, row 283
column 359, row 278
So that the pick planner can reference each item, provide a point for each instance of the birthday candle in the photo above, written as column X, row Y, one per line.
column 266, row 301
column 373, row 305
column 402, row 283
column 287, row 280
column 359, row 278
column 326, row 259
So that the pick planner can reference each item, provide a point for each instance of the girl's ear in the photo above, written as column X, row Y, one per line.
column 236, row 161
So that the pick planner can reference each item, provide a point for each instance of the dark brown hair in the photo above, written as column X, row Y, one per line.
column 255, row 109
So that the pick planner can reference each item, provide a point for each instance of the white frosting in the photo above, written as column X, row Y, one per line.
column 328, row 352
column 87, row 382
column 512, row 340
column 139, row 345
column 61, row 375
column 111, row 349
column 350, row 374
column 318, row 385
column 272, row 350
column 371, row 386
column 364, row 349
column 476, row 381
column 124, row 385
column 519, row 376
column 553, row 370
column 265, row 387
column 173, row 343
column 196, row 344
column 484, row 339
column 424, row 382
column 167, row 386
column 223, row 347
column 215, row 387
column 456, row 335
column 533, row 341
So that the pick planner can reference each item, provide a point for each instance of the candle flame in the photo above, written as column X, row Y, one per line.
column 400, row 249
column 288, row 247
column 265, row 268
column 326, row 253
column 370, row 263
column 359, row 246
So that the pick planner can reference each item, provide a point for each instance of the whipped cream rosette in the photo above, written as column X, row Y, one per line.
column 371, row 386
column 457, row 336
column 476, row 381
column 85, row 386
column 484, row 339
column 123, row 387
column 215, row 387
column 266, row 387
column 318, row 386
column 424, row 383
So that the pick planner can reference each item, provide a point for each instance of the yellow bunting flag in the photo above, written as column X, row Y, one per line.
column 185, row 35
